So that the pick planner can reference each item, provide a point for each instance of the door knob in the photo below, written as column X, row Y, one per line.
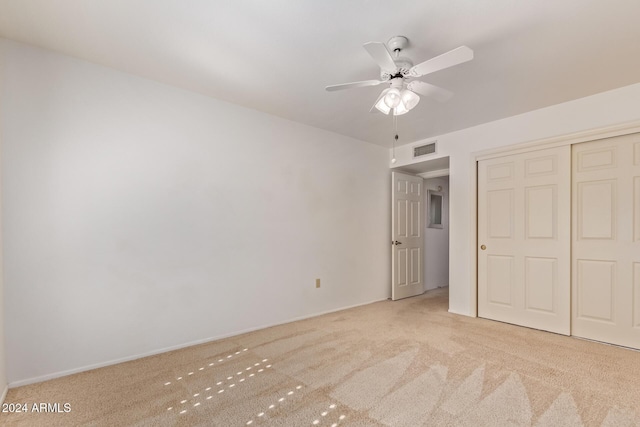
column 395, row 242
column 483, row 247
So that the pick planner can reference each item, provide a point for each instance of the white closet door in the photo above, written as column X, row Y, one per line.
column 606, row 240
column 524, row 239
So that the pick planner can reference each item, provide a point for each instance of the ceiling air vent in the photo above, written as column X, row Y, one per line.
column 423, row 150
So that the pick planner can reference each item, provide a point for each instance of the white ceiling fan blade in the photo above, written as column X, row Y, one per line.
column 373, row 108
column 446, row 60
column 352, row 85
column 381, row 55
column 430, row 90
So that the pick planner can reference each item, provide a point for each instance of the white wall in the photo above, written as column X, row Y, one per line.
column 139, row 217
column 593, row 112
column 436, row 245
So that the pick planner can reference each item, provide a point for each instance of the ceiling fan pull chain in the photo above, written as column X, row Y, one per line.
column 395, row 138
column 395, row 125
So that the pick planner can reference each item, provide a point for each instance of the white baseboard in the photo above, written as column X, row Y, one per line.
column 166, row 349
column 4, row 394
column 460, row 313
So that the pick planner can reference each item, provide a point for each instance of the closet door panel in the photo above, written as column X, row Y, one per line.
column 523, row 238
column 606, row 240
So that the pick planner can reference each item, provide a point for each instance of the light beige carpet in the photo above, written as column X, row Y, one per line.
column 404, row 363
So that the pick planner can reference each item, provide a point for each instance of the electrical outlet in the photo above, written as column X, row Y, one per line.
column 317, row 283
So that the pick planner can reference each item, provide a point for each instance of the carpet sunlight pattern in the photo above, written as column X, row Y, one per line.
column 403, row 363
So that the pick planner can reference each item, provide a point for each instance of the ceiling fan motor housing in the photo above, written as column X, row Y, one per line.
column 397, row 82
column 403, row 64
column 397, row 43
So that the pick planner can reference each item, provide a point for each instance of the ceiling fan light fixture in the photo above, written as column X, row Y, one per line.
column 409, row 99
column 400, row 110
column 406, row 101
column 392, row 98
column 381, row 105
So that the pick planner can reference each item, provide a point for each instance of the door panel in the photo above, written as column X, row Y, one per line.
column 500, row 172
column 603, row 157
column 596, row 289
column 524, row 224
column 606, row 245
column 416, row 208
column 636, row 208
column 416, row 270
column 407, row 232
column 540, row 166
column 500, row 279
column 596, row 206
column 500, row 221
column 402, row 265
column 540, row 223
column 541, row 275
column 401, row 219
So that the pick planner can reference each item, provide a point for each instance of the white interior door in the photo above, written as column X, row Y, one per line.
column 407, row 236
column 524, row 239
column 606, row 240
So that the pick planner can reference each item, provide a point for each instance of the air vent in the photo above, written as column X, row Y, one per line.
column 423, row 150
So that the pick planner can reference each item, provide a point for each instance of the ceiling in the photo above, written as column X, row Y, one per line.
column 277, row 56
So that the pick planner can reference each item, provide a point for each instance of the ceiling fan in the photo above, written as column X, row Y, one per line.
column 399, row 72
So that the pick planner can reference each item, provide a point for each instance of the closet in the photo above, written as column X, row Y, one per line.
column 559, row 239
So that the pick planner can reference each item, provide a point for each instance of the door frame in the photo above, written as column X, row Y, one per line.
column 556, row 141
column 425, row 170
